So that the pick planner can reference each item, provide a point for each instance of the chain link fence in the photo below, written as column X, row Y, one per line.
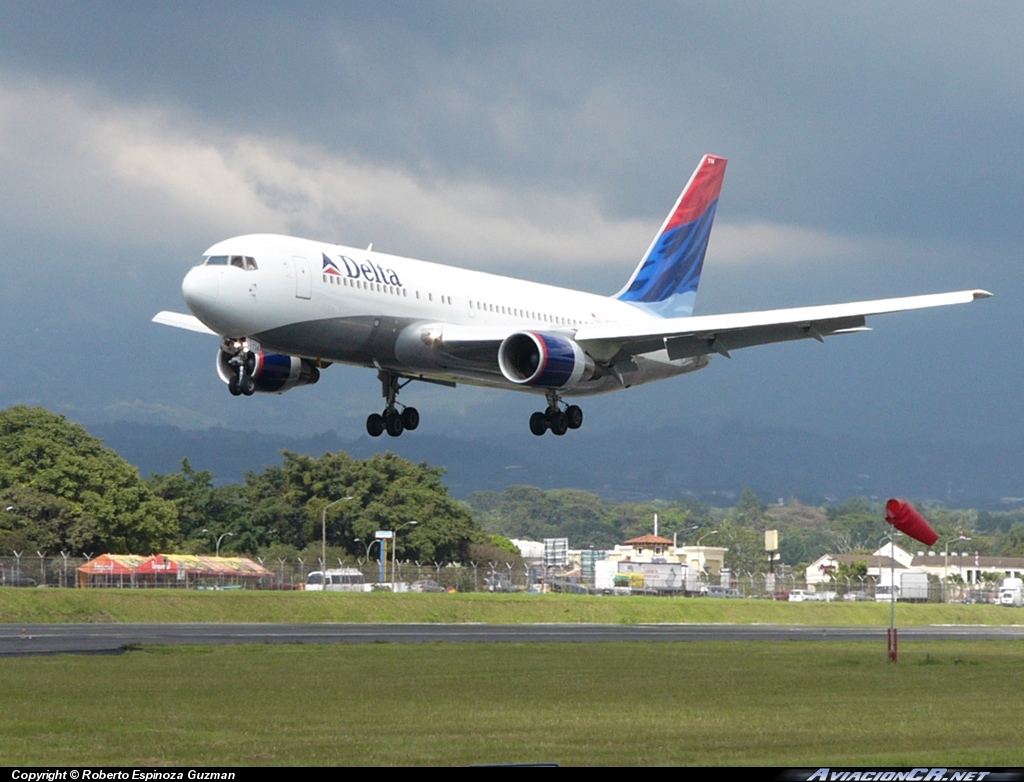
column 41, row 569
column 46, row 570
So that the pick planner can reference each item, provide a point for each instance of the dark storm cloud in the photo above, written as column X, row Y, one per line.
column 839, row 116
column 875, row 150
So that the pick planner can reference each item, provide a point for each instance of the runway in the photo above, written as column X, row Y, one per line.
column 44, row 639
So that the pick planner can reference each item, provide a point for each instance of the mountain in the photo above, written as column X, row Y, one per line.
column 627, row 465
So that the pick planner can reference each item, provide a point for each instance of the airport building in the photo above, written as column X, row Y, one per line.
column 964, row 568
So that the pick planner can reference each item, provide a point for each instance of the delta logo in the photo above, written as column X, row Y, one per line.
column 330, row 267
column 365, row 271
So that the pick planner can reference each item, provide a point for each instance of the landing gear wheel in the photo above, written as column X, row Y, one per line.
column 558, row 422
column 393, row 423
column 538, row 423
column 574, row 414
column 374, row 425
column 247, row 385
column 233, row 386
column 410, row 418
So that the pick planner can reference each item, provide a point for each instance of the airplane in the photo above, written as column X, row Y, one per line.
column 286, row 308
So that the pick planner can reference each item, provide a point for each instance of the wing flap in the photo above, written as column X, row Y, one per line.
column 695, row 336
column 690, row 346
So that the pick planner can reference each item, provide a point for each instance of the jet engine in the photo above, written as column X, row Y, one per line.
column 547, row 360
column 273, row 373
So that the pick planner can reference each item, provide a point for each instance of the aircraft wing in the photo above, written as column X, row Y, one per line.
column 705, row 334
column 182, row 321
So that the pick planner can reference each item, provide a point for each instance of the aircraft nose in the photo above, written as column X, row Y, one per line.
column 200, row 288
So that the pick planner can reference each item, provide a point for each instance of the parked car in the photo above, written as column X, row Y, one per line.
column 12, row 579
column 425, row 585
column 720, row 591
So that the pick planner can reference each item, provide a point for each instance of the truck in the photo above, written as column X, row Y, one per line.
column 910, row 587
column 1011, row 592
column 913, row 588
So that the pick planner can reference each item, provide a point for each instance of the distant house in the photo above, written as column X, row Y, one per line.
column 941, row 564
column 706, row 560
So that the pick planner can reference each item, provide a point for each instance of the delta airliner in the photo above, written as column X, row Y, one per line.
column 285, row 308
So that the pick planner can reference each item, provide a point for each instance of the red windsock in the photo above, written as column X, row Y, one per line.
column 903, row 517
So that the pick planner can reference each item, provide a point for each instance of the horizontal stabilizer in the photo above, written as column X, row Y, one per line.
column 182, row 321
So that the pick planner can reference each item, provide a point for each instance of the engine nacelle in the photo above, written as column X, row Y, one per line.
column 532, row 358
column 274, row 373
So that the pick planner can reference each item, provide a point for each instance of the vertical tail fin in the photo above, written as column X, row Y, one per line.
column 665, row 283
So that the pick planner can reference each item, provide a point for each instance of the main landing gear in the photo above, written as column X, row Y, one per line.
column 391, row 420
column 554, row 418
column 243, row 365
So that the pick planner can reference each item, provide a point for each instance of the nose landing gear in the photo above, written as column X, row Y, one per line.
column 243, row 365
column 391, row 420
column 554, row 418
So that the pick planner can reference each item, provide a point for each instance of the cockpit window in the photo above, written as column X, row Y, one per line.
column 246, row 262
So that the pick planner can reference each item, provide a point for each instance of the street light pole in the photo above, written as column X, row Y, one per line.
column 323, row 558
column 700, row 548
column 394, row 548
column 219, row 539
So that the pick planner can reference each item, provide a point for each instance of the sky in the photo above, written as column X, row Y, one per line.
column 875, row 150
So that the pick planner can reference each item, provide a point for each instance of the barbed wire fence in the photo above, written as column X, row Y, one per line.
column 60, row 570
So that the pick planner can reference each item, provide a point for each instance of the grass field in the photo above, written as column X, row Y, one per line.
column 789, row 704
column 157, row 605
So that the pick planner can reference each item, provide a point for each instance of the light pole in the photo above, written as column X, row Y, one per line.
column 367, row 546
column 219, row 539
column 394, row 548
column 323, row 525
column 700, row 548
column 945, row 554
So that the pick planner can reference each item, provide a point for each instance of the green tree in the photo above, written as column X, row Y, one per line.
column 1012, row 543
column 69, row 492
column 203, row 506
column 285, row 505
column 749, row 510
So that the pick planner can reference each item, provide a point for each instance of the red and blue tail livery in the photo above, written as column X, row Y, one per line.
column 665, row 283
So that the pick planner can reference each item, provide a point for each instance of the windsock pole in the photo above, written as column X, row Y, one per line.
column 902, row 516
column 892, row 637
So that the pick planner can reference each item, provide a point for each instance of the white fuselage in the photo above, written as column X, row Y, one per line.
column 331, row 303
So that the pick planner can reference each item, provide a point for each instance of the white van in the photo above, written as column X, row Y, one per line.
column 1011, row 593
column 345, row 579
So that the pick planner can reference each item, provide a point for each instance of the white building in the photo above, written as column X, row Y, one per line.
column 969, row 566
